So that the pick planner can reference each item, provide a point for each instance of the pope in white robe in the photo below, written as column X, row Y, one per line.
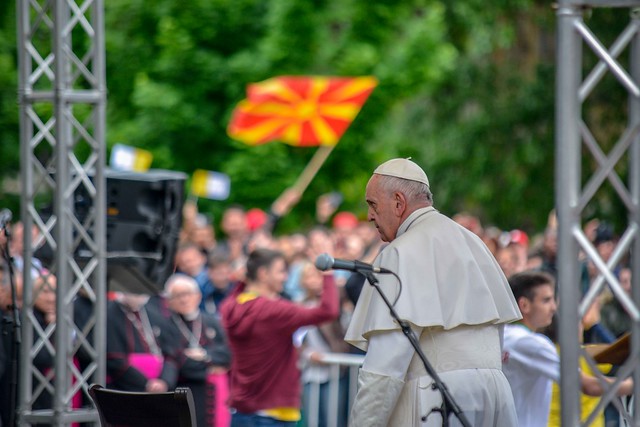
column 456, row 300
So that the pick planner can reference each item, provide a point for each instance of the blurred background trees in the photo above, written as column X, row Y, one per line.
column 466, row 89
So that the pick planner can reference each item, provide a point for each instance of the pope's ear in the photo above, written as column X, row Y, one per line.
column 399, row 202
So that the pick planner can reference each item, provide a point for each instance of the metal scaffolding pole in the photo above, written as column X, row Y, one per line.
column 567, row 172
column 62, row 95
column 574, row 191
column 634, row 211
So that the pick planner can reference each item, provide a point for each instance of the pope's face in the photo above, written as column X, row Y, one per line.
column 382, row 209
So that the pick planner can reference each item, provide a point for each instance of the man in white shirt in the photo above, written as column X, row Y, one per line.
column 530, row 359
column 456, row 300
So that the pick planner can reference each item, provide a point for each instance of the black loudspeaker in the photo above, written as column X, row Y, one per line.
column 144, row 216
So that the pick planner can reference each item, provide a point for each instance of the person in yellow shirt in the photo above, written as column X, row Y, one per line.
column 587, row 403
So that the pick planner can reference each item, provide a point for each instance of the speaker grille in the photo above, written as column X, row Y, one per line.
column 144, row 216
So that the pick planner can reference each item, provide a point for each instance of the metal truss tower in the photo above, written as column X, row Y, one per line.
column 574, row 190
column 62, row 95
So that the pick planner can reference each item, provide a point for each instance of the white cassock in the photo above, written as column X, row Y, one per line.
column 456, row 299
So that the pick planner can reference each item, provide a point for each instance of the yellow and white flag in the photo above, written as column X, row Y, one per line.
column 126, row 158
column 210, row 185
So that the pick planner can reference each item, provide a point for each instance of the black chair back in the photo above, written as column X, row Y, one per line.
column 135, row 409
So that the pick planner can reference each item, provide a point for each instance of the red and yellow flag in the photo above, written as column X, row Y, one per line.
column 299, row 110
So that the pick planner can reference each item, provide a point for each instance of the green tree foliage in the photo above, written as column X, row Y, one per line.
column 198, row 58
column 466, row 88
column 9, row 118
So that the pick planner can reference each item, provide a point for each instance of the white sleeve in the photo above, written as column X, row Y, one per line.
column 540, row 355
column 375, row 401
column 381, row 378
column 389, row 353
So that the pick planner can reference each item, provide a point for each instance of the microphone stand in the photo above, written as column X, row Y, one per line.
column 448, row 403
column 15, row 333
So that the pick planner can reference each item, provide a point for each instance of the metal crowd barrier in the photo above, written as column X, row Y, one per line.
column 333, row 417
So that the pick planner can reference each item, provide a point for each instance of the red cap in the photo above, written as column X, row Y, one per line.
column 519, row 237
column 256, row 218
column 345, row 220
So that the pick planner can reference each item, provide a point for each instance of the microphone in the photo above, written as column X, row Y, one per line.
column 326, row 262
column 5, row 218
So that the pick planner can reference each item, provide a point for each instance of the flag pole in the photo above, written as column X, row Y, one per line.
column 289, row 197
column 312, row 168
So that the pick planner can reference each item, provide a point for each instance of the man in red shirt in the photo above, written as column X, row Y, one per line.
column 265, row 379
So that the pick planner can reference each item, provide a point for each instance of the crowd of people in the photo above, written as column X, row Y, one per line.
column 246, row 317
